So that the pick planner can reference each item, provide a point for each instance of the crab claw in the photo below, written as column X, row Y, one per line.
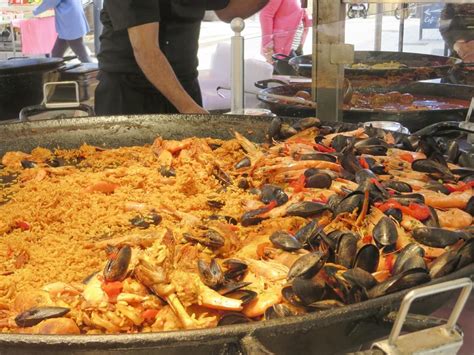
column 212, row 299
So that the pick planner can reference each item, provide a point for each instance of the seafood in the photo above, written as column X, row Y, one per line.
column 202, row 232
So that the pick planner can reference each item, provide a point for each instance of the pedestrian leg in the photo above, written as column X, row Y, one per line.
column 60, row 47
column 78, row 47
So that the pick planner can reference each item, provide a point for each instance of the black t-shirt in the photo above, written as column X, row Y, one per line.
column 180, row 23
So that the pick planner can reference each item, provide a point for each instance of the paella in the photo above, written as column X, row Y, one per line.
column 203, row 232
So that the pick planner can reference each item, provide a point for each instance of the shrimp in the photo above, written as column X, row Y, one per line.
column 13, row 159
column 211, row 299
column 454, row 218
column 56, row 326
column 298, row 165
column 400, row 154
column 259, row 305
column 253, row 152
column 458, row 199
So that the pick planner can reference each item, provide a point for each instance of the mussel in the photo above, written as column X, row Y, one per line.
column 271, row 193
column 211, row 274
column 436, row 237
column 385, row 232
column 360, row 277
column 350, row 203
column 274, row 129
column 432, row 167
column 244, row 163
column 318, row 157
column 398, row 186
column 278, row 311
column 210, row 238
column 285, row 241
column 309, row 234
column 306, row 209
column 408, row 258
column 34, row 316
column 319, row 181
column 254, row 217
column 117, row 267
column 307, row 265
column 402, row 281
column 307, row 291
column 233, row 318
column 444, row 264
column 346, row 250
column 367, row 258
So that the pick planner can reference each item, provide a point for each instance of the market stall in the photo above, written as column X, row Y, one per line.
column 231, row 234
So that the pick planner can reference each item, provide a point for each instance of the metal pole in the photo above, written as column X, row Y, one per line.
column 237, row 73
column 403, row 11
column 328, row 58
column 97, row 24
column 378, row 27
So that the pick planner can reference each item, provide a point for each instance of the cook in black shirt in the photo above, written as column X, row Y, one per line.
column 148, row 58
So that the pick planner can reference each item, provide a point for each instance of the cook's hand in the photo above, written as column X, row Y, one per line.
column 465, row 50
column 195, row 109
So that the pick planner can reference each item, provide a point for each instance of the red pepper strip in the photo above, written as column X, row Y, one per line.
column 271, row 205
column 23, row 225
column 323, row 148
column 318, row 200
column 112, row 289
column 461, row 186
column 363, row 163
column 149, row 315
column 389, row 262
column 299, row 184
column 407, row 157
column 367, row 239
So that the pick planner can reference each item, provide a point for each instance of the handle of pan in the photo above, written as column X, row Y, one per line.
column 263, row 84
column 29, row 111
column 465, row 284
column 281, row 56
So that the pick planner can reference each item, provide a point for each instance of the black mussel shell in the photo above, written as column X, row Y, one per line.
column 252, row 218
column 444, row 264
column 399, row 282
column 34, row 316
column 233, row 318
column 375, row 150
column 436, row 186
column 227, row 219
column 341, row 142
column 360, row 277
column 350, row 163
column 470, row 206
column 215, row 204
column 405, row 256
column 334, row 201
column 453, row 151
column 367, row 258
column 230, row 287
column 398, row 186
column 406, row 199
column 286, row 131
column 243, row 184
column 466, row 253
column 274, row 129
column 235, row 269
column 271, row 193
column 307, row 122
column 244, row 163
column 466, row 159
column 433, row 220
column 285, row 241
column 431, row 167
column 167, row 172
column 385, row 232
column 27, row 164
column 346, row 250
column 290, row 296
column 350, row 203
column 436, row 237
column 307, row 265
column 319, row 157
column 278, row 311
column 308, row 291
column 395, row 213
column 116, row 268
column 308, row 234
column 319, row 181
column 363, row 175
column 211, row 274
column 246, row 296
column 306, row 209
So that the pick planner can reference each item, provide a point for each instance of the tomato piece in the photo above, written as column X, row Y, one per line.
column 363, row 163
column 389, row 204
column 461, row 186
column 23, row 225
column 150, row 315
column 299, row 184
column 112, row 289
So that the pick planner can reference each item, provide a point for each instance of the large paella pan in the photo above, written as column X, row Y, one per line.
column 199, row 232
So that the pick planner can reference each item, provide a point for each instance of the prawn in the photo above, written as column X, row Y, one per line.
column 458, row 199
column 358, row 133
column 454, row 218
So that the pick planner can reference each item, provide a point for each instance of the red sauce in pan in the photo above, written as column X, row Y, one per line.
column 397, row 102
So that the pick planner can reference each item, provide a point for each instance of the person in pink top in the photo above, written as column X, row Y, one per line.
column 284, row 26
